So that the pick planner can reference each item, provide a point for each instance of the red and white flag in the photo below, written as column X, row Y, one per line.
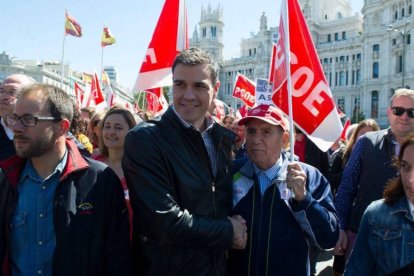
column 79, row 94
column 96, row 97
column 169, row 38
column 314, row 110
column 242, row 112
column 156, row 102
column 245, row 90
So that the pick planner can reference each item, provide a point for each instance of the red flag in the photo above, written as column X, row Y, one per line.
column 242, row 112
column 72, row 27
column 79, row 94
column 346, row 126
column 156, row 102
column 169, row 38
column 245, row 90
column 96, row 96
column 313, row 107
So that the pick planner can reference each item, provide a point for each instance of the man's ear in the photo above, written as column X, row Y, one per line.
column 64, row 126
column 216, row 89
column 285, row 139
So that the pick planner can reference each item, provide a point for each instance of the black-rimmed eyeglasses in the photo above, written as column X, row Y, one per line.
column 398, row 111
column 28, row 120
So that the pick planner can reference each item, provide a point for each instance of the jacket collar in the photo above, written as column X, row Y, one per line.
column 248, row 169
column 14, row 165
column 401, row 206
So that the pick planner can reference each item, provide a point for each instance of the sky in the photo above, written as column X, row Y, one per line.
column 33, row 30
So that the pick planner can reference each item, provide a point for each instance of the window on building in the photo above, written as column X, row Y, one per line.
column 394, row 41
column 342, row 58
column 326, row 16
column 341, row 78
column 336, row 37
column 399, row 63
column 204, row 32
column 329, row 37
column 325, row 60
column 250, row 52
column 358, row 76
column 346, row 78
column 330, row 60
column 375, row 70
column 375, row 48
column 228, row 89
column 353, row 57
column 410, row 10
column 336, row 78
column 343, row 35
column 374, row 104
column 213, row 31
column 353, row 77
column 336, row 59
column 395, row 15
column 338, row 15
column 358, row 56
column 356, row 109
column 408, row 39
column 341, row 103
column 402, row 12
column 330, row 78
column 347, row 58
column 254, row 51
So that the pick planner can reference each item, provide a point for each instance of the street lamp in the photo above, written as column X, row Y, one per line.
column 404, row 31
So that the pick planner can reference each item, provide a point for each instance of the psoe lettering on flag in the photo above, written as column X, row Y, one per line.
column 314, row 110
column 169, row 38
column 244, row 89
column 72, row 27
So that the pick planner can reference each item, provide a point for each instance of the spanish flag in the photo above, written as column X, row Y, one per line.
column 107, row 37
column 72, row 27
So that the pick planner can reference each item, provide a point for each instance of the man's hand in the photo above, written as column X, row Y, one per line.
column 342, row 244
column 296, row 180
column 240, row 232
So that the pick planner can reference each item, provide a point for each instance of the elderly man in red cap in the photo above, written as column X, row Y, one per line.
column 287, row 205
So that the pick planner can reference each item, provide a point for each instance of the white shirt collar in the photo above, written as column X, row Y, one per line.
column 411, row 207
column 8, row 130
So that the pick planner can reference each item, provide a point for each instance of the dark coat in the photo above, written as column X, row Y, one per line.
column 181, row 223
column 90, row 218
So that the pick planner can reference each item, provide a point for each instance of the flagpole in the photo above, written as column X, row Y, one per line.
column 102, row 56
column 63, row 53
column 289, row 84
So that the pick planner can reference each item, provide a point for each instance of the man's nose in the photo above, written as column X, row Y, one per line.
column 189, row 93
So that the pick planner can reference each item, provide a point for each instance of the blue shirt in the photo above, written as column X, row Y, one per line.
column 265, row 177
column 32, row 234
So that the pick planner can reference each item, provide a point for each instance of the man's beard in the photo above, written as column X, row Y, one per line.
column 35, row 148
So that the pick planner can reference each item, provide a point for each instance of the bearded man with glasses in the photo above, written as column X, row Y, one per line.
column 66, row 213
column 370, row 168
column 9, row 92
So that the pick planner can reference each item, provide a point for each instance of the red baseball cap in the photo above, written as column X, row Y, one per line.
column 267, row 113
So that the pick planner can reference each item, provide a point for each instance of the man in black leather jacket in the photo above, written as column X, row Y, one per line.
column 177, row 168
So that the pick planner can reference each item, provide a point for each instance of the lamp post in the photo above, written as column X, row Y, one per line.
column 404, row 31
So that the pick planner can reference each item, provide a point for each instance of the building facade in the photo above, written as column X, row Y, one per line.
column 363, row 55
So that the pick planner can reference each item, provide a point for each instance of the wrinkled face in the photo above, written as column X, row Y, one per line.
column 193, row 92
column 8, row 97
column 264, row 142
column 407, row 172
column 401, row 125
column 40, row 139
column 114, row 130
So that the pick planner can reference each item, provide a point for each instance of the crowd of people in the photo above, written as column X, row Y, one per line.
column 108, row 192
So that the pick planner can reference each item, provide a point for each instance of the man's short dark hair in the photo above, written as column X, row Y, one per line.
column 59, row 102
column 196, row 56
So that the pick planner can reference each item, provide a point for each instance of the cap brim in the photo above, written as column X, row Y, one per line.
column 244, row 120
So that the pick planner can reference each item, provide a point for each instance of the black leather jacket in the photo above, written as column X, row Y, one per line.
column 181, row 226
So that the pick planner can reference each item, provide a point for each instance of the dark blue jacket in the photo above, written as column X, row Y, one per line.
column 279, row 230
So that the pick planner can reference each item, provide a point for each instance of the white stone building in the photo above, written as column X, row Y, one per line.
column 363, row 56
